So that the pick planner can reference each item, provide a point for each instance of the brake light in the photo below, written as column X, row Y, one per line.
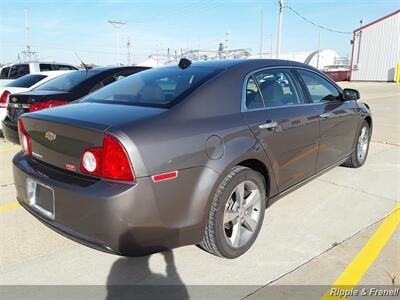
column 24, row 138
column 4, row 98
column 110, row 161
column 43, row 105
column 115, row 162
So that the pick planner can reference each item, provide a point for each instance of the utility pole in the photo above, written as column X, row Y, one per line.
column 318, row 48
column 117, row 25
column 270, row 50
column 261, row 32
column 227, row 40
column 128, row 45
column 278, row 42
column 27, row 53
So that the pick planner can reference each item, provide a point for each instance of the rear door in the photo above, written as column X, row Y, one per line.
column 287, row 128
column 338, row 122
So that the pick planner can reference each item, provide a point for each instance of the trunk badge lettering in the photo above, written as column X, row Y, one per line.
column 37, row 155
column 50, row 136
column 70, row 167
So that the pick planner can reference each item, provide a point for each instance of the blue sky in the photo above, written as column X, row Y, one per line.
column 60, row 28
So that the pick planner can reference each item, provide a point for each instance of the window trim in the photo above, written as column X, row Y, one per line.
column 243, row 106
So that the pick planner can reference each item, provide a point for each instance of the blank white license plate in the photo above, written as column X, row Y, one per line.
column 40, row 197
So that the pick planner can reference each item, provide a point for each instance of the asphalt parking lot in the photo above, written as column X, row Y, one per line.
column 308, row 238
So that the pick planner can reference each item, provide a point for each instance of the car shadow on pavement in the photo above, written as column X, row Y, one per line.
column 131, row 278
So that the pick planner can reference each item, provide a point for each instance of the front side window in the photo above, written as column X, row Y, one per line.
column 45, row 67
column 160, row 87
column 17, row 71
column 57, row 67
column 320, row 89
column 277, row 88
column 26, row 81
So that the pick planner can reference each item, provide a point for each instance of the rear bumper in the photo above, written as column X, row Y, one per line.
column 121, row 218
column 10, row 131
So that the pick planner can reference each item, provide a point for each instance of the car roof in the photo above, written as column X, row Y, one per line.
column 250, row 62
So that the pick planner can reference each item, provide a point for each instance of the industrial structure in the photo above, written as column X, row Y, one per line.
column 376, row 50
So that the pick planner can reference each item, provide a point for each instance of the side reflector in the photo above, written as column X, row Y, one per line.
column 165, row 176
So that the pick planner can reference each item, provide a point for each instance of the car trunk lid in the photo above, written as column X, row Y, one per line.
column 19, row 104
column 60, row 135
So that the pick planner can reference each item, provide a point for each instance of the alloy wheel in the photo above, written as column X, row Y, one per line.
column 362, row 144
column 242, row 214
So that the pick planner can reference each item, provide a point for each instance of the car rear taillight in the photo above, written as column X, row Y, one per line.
column 110, row 161
column 24, row 138
column 43, row 105
column 4, row 98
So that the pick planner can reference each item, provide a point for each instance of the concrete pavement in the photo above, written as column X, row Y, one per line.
column 298, row 231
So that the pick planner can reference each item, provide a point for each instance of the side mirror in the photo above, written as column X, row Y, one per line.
column 350, row 94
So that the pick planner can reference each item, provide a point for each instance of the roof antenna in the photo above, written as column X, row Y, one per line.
column 84, row 65
column 184, row 63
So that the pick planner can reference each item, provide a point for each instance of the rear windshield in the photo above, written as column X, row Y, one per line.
column 26, row 81
column 161, row 87
column 64, row 83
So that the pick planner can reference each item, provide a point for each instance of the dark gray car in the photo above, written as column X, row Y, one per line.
column 189, row 154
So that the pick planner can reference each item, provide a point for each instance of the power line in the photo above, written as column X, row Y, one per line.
column 315, row 24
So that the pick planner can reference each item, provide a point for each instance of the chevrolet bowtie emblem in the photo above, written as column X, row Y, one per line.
column 50, row 136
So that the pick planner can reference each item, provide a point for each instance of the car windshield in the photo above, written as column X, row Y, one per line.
column 26, row 81
column 64, row 83
column 159, row 87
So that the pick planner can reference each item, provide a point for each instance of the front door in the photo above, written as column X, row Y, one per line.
column 285, row 126
column 338, row 123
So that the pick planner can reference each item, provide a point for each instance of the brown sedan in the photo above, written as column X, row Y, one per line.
column 186, row 154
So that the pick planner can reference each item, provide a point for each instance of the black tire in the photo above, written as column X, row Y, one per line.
column 214, row 240
column 354, row 160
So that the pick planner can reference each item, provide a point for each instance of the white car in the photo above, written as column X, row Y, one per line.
column 24, row 84
column 10, row 72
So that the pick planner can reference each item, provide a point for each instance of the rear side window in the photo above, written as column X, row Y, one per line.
column 64, row 82
column 275, row 87
column 162, row 87
column 20, row 70
column 320, row 89
column 4, row 72
column 26, row 81
column 45, row 67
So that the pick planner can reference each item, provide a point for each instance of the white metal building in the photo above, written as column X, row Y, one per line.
column 376, row 49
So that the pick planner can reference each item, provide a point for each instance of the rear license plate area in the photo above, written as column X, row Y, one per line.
column 40, row 198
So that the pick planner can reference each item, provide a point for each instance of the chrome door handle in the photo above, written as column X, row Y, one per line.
column 325, row 115
column 268, row 125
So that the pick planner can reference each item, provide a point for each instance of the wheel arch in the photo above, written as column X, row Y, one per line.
column 368, row 119
column 260, row 167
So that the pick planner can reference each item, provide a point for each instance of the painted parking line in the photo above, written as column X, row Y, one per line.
column 8, row 206
column 352, row 275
